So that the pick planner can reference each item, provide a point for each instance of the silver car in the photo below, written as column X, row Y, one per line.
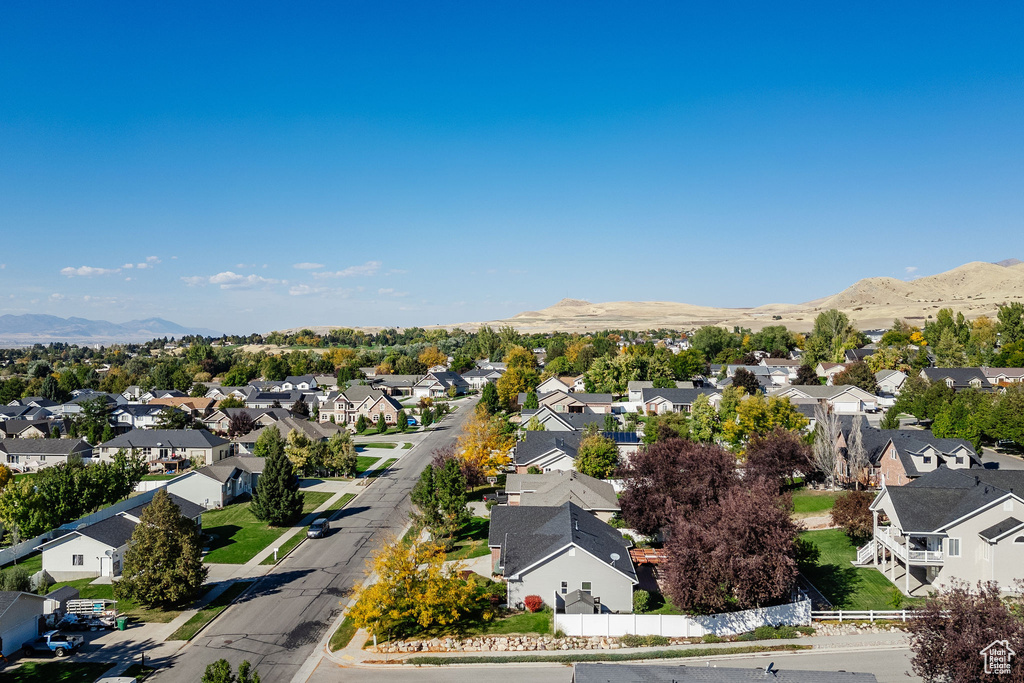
column 318, row 529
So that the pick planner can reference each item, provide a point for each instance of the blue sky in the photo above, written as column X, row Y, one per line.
column 248, row 167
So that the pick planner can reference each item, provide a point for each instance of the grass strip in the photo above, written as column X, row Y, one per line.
column 57, row 672
column 343, row 636
column 406, row 446
column 138, row 671
column 382, row 469
column 569, row 658
column 190, row 628
column 376, row 444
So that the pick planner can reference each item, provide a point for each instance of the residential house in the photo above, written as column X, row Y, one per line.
column 551, row 551
column 909, row 454
column 947, row 525
column 148, row 396
column 396, row 385
column 29, row 455
column 196, row 407
column 218, row 393
column 890, row 382
column 1003, row 376
column 547, row 451
column 326, row 382
column 73, row 406
column 563, row 422
column 829, row 370
column 274, row 399
column 301, row 383
column 137, row 416
column 344, row 408
column 557, row 488
column 315, row 431
column 958, row 379
column 575, row 402
column 552, row 384
column 579, row 385
column 34, row 402
column 438, row 384
column 478, row 378
column 857, row 355
column 634, row 388
column 30, row 429
column 20, row 412
column 168, row 448
column 843, row 399
column 661, row 401
column 220, row 420
column 218, row 484
column 98, row 549
column 21, row 615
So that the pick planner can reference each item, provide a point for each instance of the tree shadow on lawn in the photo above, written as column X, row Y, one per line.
column 219, row 536
column 473, row 530
column 838, row 584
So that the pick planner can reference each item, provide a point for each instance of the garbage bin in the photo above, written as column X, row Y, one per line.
column 122, row 623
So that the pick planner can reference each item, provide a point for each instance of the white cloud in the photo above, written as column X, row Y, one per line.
column 144, row 266
column 2, row 266
column 128, row 265
column 56, row 297
column 153, row 259
column 127, row 279
column 88, row 271
column 910, row 269
column 390, row 291
column 229, row 280
column 308, row 266
column 367, row 269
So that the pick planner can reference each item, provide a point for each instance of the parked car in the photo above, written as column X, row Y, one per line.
column 53, row 641
column 318, row 529
column 85, row 622
column 499, row 497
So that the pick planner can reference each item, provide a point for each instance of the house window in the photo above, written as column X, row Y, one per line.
column 78, row 560
column 927, row 460
column 586, row 586
column 959, row 460
column 892, row 454
column 565, row 584
column 953, row 547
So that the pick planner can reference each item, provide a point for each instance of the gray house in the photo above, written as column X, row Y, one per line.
column 168, row 446
column 547, row 451
column 949, row 524
column 29, row 455
column 218, row 484
column 551, row 551
column 557, row 488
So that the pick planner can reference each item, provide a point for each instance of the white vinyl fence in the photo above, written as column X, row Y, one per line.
column 681, row 626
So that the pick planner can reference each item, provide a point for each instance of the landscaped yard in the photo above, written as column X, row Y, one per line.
column 63, row 671
column 811, row 503
column 237, row 536
column 471, row 541
column 846, row 586
column 523, row 622
column 105, row 591
column 364, row 462
column 382, row 468
column 32, row 564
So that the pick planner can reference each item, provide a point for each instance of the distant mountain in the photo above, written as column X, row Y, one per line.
column 1007, row 262
column 36, row 328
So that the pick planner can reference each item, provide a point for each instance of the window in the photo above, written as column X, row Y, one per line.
column 565, row 587
column 953, row 547
column 586, row 586
column 78, row 560
column 927, row 460
column 959, row 460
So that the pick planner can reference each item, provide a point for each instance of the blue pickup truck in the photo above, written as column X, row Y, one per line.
column 56, row 642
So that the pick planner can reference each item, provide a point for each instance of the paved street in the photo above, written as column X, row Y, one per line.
column 277, row 625
column 888, row 665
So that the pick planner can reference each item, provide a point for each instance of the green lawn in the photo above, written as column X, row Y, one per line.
column 32, row 564
column 63, row 671
column 364, row 462
column 190, row 628
column 846, row 586
column 138, row 671
column 382, row 468
column 814, row 502
column 524, row 622
column 381, row 444
column 343, row 636
column 158, row 477
column 406, row 446
column 471, row 541
column 237, row 536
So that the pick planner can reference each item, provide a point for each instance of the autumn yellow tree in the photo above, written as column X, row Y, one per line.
column 520, row 357
column 414, row 590
column 483, row 444
column 757, row 415
column 431, row 356
column 5, row 476
column 340, row 357
column 514, row 382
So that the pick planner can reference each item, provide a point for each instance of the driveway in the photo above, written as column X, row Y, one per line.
column 1001, row 461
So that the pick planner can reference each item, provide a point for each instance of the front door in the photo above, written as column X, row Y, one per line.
column 105, row 566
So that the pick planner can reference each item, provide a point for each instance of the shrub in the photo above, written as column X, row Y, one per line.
column 711, row 638
column 631, row 640
column 629, row 540
column 534, row 603
column 15, row 579
column 617, row 522
column 641, row 601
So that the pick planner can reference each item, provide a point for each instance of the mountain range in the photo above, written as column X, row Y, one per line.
column 36, row 328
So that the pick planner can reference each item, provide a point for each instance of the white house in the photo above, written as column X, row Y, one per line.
column 20, row 614
column 843, row 399
column 98, row 549
column 218, row 484
column 552, row 551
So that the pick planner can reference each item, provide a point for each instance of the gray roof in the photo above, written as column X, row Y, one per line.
column 316, row 431
column 113, row 531
column 556, row 488
column 297, row 379
column 593, row 672
column 152, row 438
column 529, row 534
column 44, row 446
column 536, row 444
column 676, row 396
column 581, row 420
column 226, row 469
column 961, row 377
column 187, row 507
column 997, row 530
column 937, row 498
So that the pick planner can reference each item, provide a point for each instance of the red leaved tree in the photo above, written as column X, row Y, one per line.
column 673, row 475
column 776, row 456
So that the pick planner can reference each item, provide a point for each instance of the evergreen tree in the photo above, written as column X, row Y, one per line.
column 440, row 498
column 531, row 402
column 403, row 421
column 361, row 424
column 277, row 498
column 489, row 398
column 382, row 424
column 163, row 565
column 427, row 416
column 269, row 441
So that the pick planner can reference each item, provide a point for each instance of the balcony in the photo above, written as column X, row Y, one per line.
column 894, row 541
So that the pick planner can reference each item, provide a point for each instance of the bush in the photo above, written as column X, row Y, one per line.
column 15, row 579
column 771, row 633
column 631, row 640
column 617, row 522
column 711, row 638
column 534, row 603
column 629, row 540
column 641, row 601
column 807, row 554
